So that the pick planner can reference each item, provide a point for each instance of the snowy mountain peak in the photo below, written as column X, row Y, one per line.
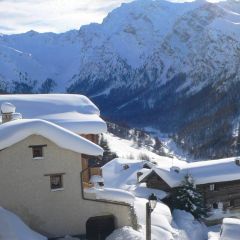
column 130, row 36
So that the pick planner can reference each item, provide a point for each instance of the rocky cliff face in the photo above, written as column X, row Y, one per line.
column 172, row 66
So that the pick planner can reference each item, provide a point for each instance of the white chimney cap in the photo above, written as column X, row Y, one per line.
column 7, row 107
column 96, row 179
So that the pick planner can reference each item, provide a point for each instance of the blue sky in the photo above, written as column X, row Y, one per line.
column 17, row 16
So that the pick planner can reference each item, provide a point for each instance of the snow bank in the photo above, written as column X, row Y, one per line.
column 112, row 194
column 213, row 235
column 231, row 221
column 13, row 228
column 161, row 228
column 144, row 192
column 74, row 112
column 188, row 226
column 15, row 131
column 125, row 233
column 230, row 229
column 161, row 220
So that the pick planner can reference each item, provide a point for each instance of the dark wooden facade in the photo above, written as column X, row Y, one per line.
column 220, row 195
column 225, row 195
column 154, row 181
column 89, row 171
column 91, row 137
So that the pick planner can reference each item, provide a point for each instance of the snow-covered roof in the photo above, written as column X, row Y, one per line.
column 74, row 112
column 17, row 130
column 115, row 176
column 203, row 172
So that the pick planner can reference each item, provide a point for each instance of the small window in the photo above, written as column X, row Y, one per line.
column 212, row 187
column 56, row 181
column 215, row 205
column 37, row 151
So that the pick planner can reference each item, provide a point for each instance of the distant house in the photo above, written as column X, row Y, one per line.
column 40, row 180
column 218, row 180
column 71, row 111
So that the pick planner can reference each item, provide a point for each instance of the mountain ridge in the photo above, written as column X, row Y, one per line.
column 174, row 66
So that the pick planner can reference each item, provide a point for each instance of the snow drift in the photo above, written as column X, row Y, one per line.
column 13, row 228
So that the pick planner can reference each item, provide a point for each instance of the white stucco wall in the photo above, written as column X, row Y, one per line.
column 26, row 191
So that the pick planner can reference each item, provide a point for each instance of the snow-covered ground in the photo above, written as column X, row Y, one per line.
column 126, row 233
column 229, row 230
column 161, row 220
column 128, row 149
column 214, row 232
column 170, row 146
column 179, row 226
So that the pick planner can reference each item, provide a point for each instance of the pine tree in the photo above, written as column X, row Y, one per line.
column 188, row 198
column 47, row 86
column 108, row 155
column 158, row 145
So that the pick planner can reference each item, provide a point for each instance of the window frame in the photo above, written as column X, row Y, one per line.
column 51, row 176
column 212, row 187
column 41, row 149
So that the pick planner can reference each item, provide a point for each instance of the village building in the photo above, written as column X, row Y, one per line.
column 74, row 112
column 40, row 180
column 217, row 180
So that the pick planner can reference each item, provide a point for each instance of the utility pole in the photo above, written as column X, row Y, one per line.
column 148, row 221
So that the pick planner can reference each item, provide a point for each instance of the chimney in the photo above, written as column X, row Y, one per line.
column 8, row 112
column 175, row 169
column 139, row 174
column 237, row 161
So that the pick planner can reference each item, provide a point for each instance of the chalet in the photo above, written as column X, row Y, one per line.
column 71, row 111
column 40, row 180
column 218, row 180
